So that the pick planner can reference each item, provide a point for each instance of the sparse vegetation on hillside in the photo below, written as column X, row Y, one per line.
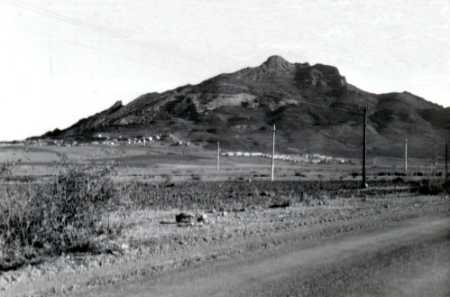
column 308, row 103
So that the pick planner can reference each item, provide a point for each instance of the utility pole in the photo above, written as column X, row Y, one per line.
column 218, row 156
column 406, row 156
column 446, row 160
column 273, row 154
column 364, row 151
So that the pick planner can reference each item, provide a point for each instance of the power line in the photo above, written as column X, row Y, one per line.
column 104, row 30
column 66, row 19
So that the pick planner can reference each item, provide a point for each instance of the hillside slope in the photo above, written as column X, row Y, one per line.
column 314, row 107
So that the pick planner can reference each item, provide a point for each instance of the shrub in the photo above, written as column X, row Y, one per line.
column 51, row 218
column 446, row 186
column 299, row 174
column 281, row 204
column 166, row 178
column 430, row 187
column 196, row 177
column 398, row 180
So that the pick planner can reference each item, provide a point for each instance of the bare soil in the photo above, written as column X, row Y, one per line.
column 246, row 250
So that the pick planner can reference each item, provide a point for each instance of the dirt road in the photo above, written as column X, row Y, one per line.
column 408, row 259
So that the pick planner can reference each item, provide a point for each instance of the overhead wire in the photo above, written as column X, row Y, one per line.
column 116, row 34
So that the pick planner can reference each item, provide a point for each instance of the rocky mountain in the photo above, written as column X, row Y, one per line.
column 313, row 106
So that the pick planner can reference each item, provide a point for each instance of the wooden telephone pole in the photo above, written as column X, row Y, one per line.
column 406, row 156
column 364, row 150
column 273, row 154
column 218, row 156
column 446, row 161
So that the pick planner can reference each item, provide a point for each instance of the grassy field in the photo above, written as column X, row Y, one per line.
column 56, row 200
column 185, row 163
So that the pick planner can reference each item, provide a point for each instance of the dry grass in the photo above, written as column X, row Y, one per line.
column 51, row 218
column 236, row 194
column 67, row 212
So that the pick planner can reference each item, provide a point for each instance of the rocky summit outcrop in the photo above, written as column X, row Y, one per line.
column 314, row 107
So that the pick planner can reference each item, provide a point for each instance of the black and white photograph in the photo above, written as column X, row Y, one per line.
column 224, row 148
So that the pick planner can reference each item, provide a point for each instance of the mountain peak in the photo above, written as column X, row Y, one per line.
column 276, row 61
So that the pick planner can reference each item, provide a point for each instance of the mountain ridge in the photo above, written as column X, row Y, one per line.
column 306, row 102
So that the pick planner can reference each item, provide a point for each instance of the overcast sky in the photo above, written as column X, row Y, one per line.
column 61, row 60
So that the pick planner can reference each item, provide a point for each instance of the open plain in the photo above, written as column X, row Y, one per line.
column 311, row 232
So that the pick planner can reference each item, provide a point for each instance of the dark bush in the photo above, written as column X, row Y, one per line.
column 433, row 187
column 281, row 204
column 299, row 174
column 398, row 180
column 399, row 174
column 446, row 186
column 196, row 177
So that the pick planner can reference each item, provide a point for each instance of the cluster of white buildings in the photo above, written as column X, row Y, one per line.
column 104, row 139
column 51, row 142
column 305, row 158
column 141, row 140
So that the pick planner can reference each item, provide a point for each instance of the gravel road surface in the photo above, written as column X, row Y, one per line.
column 407, row 259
